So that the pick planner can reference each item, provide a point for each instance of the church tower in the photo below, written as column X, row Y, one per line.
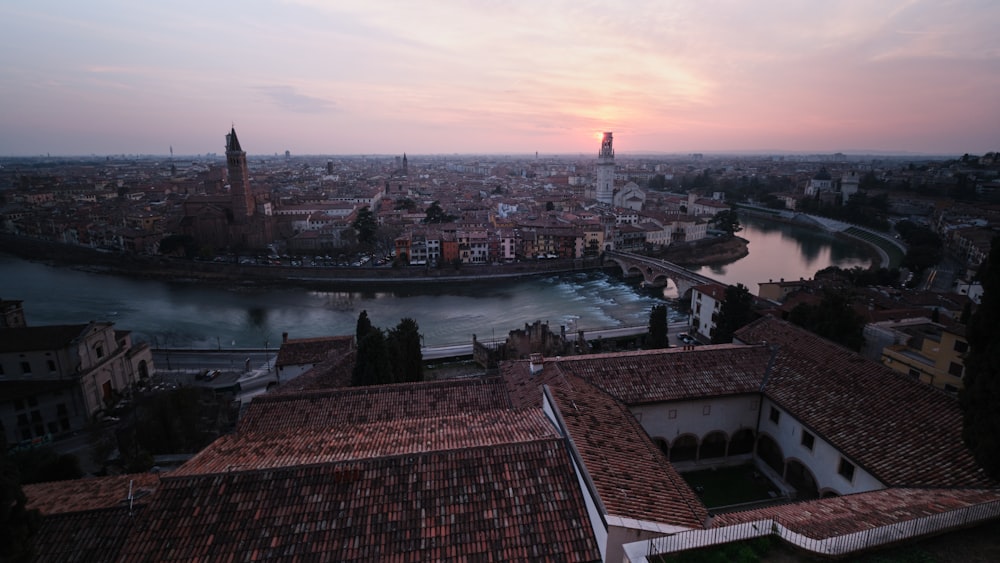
column 406, row 167
column 605, row 191
column 239, row 179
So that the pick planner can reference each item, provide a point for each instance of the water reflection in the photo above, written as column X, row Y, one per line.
column 187, row 315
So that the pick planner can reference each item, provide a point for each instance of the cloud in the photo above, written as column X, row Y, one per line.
column 289, row 98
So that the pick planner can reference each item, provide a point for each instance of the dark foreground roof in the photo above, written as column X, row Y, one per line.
column 511, row 502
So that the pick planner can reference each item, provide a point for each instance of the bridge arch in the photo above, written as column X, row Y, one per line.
column 656, row 272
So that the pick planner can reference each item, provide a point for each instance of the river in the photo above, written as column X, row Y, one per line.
column 176, row 314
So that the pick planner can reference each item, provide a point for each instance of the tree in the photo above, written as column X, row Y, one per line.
column 981, row 393
column 372, row 365
column 17, row 523
column 436, row 215
column 178, row 245
column 383, row 357
column 549, row 206
column 728, row 221
column 365, row 225
column 404, row 348
column 833, row 318
column 657, row 183
column 658, row 327
column 363, row 326
column 736, row 312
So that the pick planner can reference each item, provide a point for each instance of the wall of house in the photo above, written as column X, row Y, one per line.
column 823, row 460
column 703, row 309
column 288, row 372
column 668, row 421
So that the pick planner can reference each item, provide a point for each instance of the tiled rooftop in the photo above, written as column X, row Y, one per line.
column 836, row 516
column 78, row 495
column 905, row 433
column 345, row 440
column 511, row 502
column 632, row 476
column 90, row 536
column 673, row 374
column 301, row 351
column 332, row 373
column 327, row 409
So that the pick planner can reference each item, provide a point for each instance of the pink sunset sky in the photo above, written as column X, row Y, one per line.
column 474, row 76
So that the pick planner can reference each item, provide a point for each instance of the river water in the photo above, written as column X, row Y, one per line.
column 175, row 314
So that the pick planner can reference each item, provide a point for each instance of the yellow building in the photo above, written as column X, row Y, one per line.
column 931, row 352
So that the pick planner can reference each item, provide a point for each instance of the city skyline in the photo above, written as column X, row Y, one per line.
column 312, row 78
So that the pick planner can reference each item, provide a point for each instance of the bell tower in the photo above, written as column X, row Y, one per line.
column 605, row 191
column 239, row 179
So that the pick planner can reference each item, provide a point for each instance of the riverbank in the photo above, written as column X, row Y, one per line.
column 707, row 251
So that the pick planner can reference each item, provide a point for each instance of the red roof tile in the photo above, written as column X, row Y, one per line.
column 78, row 495
column 673, row 374
column 327, row 409
column 511, row 502
column 346, row 440
column 632, row 477
column 903, row 432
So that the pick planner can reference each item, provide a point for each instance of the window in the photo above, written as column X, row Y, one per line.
column 52, row 366
column 808, row 440
column 846, row 469
column 99, row 350
column 914, row 373
column 775, row 415
column 672, row 413
column 706, row 410
column 955, row 369
column 25, row 368
column 961, row 347
column 1, row 369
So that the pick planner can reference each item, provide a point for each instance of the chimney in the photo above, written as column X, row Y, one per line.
column 537, row 363
column 284, row 337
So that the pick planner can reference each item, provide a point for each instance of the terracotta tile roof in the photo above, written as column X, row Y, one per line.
column 343, row 441
column 903, row 432
column 353, row 405
column 332, row 373
column 632, row 477
column 300, row 351
column 829, row 517
column 673, row 374
column 94, row 535
column 78, row 495
column 511, row 502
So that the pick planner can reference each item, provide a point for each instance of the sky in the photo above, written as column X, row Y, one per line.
column 499, row 76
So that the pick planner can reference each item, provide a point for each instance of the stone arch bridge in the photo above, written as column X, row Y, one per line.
column 656, row 272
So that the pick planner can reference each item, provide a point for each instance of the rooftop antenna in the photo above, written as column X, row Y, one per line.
column 131, row 498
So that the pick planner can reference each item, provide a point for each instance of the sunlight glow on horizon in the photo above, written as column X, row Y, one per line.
column 315, row 77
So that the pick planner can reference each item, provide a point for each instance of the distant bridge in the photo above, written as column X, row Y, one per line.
column 657, row 272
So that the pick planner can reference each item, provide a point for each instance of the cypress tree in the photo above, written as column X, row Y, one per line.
column 658, row 327
column 980, row 397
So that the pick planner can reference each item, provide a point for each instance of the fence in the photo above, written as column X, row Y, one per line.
column 836, row 546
